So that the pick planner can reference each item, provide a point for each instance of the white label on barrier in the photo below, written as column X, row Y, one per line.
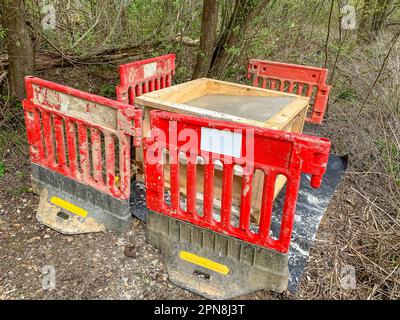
column 221, row 141
column 64, row 107
column 150, row 69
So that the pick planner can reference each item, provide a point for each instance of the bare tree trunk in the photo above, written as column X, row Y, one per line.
column 19, row 45
column 231, row 39
column 364, row 32
column 207, row 38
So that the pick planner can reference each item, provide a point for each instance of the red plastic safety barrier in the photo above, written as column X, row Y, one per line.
column 272, row 151
column 80, row 135
column 292, row 78
column 144, row 76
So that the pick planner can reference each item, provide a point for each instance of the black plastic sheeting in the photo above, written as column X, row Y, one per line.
column 138, row 200
column 311, row 206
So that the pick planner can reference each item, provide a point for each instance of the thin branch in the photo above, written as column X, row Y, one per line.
column 342, row 41
column 89, row 30
column 328, row 34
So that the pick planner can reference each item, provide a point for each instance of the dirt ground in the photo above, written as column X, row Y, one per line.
column 94, row 266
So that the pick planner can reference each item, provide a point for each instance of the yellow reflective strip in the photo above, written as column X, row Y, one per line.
column 204, row 262
column 69, row 206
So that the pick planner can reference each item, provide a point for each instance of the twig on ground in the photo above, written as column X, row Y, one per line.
column 376, row 206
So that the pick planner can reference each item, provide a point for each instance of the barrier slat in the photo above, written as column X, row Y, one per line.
column 124, row 166
column 96, row 155
column 48, row 139
column 174, row 180
column 110, row 162
column 208, row 191
column 71, row 143
column 83, row 146
column 191, row 185
column 226, row 206
column 289, row 209
column 33, row 131
column 245, row 202
column 267, row 202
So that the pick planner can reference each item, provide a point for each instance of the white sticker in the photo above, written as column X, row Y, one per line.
column 221, row 141
column 150, row 69
column 64, row 107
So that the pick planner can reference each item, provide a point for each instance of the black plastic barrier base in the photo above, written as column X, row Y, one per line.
column 213, row 265
column 71, row 207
